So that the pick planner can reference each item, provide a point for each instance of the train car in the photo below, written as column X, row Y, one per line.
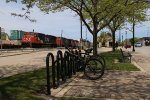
column 77, row 43
column 33, row 39
column 60, row 41
column 6, row 44
column 16, row 38
column 72, row 43
column 16, row 34
column 86, row 43
column 16, row 43
column 50, row 41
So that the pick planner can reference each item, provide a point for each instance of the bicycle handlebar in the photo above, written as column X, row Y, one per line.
column 85, row 53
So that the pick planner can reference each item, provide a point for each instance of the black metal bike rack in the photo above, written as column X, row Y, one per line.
column 63, row 67
column 48, row 71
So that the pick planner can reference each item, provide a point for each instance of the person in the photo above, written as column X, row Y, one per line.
column 116, row 44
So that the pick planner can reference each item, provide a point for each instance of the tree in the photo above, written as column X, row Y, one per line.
column 103, row 38
column 114, row 25
column 135, row 40
column 95, row 14
column 128, row 14
column 138, row 15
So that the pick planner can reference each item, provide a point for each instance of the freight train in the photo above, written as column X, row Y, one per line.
column 33, row 39
column 23, row 39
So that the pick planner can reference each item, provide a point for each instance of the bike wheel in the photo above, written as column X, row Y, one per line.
column 94, row 69
column 101, row 58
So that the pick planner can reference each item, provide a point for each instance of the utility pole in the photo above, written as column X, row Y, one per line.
column 1, row 39
column 86, row 39
column 0, row 32
column 81, row 34
column 86, row 33
column 147, row 31
column 122, row 40
column 61, row 38
column 119, row 35
column 126, row 38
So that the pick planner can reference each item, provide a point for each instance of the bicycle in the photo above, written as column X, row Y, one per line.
column 93, row 67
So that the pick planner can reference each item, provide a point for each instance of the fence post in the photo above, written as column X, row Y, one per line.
column 48, row 72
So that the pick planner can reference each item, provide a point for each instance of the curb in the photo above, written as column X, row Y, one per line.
column 138, row 66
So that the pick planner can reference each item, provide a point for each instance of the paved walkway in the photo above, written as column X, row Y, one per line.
column 143, row 61
column 114, row 85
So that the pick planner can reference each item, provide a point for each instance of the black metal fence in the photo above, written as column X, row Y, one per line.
column 63, row 67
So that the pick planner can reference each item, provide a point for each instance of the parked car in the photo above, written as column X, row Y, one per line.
column 127, row 46
column 138, row 44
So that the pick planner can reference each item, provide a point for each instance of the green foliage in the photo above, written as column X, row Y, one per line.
column 137, row 12
column 135, row 40
column 113, row 62
column 95, row 14
column 103, row 38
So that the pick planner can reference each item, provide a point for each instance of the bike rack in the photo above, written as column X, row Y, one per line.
column 63, row 67
column 48, row 72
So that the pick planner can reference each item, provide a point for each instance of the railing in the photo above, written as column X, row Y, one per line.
column 65, row 65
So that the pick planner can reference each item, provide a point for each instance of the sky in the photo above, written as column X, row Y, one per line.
column 66, row 22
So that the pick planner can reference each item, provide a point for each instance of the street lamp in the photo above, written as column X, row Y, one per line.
column 122, row 40
column 0, row 39
column 2, row 30
column 61, row 38
column 81, row 33
column 119, row 35
column 126, row 38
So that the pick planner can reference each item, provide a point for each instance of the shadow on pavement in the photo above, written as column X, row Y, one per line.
column 114, row 85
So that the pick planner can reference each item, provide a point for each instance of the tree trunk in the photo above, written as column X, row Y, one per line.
column 113, row 41
column 133, row 36
column 95, row 44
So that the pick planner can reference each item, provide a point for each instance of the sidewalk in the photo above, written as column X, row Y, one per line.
column 114, row 84
column 141, row 60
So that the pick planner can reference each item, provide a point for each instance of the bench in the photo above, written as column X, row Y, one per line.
column 126, row 56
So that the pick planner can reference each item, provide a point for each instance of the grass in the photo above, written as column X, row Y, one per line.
column 113, row 62
column 23, row 86
column 28, row 85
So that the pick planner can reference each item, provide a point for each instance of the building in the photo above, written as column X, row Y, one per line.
column 109, row 41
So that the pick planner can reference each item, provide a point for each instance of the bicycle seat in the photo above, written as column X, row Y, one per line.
column 89, row 50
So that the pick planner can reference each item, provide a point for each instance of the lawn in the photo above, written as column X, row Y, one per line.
column 113, row 62
column 27, row 86
column 23, row 86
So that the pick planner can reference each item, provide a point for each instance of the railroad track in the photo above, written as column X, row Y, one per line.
column 11, row 52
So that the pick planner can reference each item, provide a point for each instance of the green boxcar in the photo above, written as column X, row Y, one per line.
column 16, row 34
column 41, row 37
